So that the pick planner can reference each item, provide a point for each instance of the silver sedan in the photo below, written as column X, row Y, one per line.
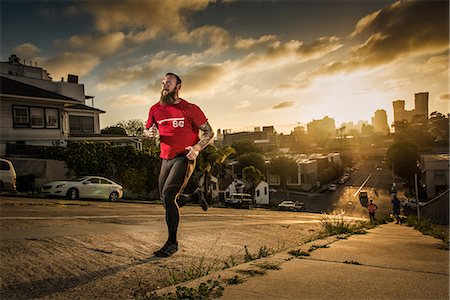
column 84, row 187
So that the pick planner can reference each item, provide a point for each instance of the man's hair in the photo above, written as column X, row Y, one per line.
column 176, row 76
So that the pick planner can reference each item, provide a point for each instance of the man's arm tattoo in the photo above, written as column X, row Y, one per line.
column 207, row 136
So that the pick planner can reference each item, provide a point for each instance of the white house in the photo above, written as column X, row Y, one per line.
column 262, row 193
column 236, row 186
column 37, row 111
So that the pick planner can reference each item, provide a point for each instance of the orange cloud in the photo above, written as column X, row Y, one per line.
column 284, row 104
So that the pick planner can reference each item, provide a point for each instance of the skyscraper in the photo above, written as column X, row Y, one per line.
column 379, row 121
column 421, row 104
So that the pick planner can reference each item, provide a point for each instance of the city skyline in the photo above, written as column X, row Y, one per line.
column 247, row 64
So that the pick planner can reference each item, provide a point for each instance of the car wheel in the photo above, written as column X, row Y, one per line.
column 72, row 194
column 114, row 196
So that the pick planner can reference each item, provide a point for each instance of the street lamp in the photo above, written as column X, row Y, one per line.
column 417, row 193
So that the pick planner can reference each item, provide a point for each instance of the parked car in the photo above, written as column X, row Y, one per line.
column 344, row 178
column 412, row 204
column 364, row 198
column 239, row 200
column 332, row 187
column 291, row 206
column 84, row 187
column 8, row 176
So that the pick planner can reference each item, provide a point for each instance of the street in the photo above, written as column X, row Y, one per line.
column 91, row 249
column 371, row 176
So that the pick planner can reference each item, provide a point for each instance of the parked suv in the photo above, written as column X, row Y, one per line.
column 7, row 176
column 239, row 200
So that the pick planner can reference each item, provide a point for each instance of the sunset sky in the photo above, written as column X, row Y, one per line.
column 245, row 63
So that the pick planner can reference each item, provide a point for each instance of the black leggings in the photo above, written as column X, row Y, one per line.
column 173, row 177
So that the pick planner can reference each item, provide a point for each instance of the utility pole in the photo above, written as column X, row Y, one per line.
column 417, row 197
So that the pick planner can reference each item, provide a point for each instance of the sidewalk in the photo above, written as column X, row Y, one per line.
column 396, row 262
column 389, row 262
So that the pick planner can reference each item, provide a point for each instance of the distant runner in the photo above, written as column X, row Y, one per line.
column 372, row 208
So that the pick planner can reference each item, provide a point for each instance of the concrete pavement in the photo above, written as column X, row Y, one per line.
column 390, row 261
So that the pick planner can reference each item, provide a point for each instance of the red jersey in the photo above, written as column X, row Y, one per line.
column 178, row 126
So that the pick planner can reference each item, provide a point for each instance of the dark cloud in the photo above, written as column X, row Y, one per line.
column 402, row 29
column 284, row 104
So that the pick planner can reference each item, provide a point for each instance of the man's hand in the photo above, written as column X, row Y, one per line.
column 151, row 133
column 193, row 151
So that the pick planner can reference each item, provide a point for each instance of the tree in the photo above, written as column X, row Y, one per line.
column 285, row 167
column 133, row 127
column 367, row 130
column 244, row 147
column 116, row 130
column 253, row 177
column 256, row 160
column 403, row 158
column 210, row 162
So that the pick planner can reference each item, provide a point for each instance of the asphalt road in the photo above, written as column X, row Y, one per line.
column 61, row 249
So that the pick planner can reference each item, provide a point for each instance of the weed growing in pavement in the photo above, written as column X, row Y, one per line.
column 196, row 269
column 351, row 262
column 315, row 247
column 427, row 227
column 252, row 272
column 263, row 252
column 230, row 262
column 206, row 290
column 337, row 224
column 234, row 280
column 269, row 266
column 298, row 253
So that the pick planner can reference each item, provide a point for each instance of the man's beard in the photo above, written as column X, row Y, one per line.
column 168, row 99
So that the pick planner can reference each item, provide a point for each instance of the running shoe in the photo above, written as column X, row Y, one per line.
column 167, row 250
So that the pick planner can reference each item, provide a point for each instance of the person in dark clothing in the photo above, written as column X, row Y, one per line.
column 396, row 209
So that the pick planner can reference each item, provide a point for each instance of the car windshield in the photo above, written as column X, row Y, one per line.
column 78, row 179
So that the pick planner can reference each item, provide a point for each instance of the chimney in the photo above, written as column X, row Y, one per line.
column 72, row 78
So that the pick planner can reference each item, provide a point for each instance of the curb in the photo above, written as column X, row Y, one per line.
column 239, row 270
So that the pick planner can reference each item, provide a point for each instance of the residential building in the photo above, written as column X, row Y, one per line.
column 37, row 111
column 262, row 193
column 435, row 168
column 265, row 139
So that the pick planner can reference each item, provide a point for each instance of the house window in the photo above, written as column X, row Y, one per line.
column 257, row 193
column 21, row 117
column 37, row 117
column 265, row 190
column 81, row 124
column 51, row 118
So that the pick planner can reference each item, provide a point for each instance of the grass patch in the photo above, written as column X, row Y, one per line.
column 427, row 227
column 315, row 247
column 263, row 252
column 269, row 266
column 351, row 262
column 235, row 280
column 195, row 269
column 252, row 272
column 206, row 290
column 298, row 253
column 336, row 224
